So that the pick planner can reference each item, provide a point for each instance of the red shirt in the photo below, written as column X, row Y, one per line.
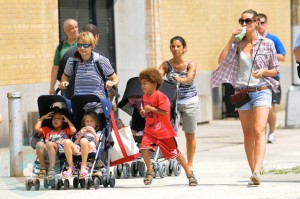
column 55, row 136
column 158, row 125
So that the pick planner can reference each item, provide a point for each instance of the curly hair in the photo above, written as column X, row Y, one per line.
column 152, row 75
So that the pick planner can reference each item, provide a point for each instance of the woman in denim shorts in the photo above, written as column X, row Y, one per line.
column 250, row 64
column 182, row 72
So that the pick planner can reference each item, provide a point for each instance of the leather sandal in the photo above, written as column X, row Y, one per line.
column 148, row 178
column 192, row 179
column 51, row 174
column 42, row 173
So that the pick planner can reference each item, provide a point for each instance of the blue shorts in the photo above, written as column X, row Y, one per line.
column 261, row 98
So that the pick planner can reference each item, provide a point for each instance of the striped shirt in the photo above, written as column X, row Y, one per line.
column 88, row 79
column 266, row 58
column 186, row 90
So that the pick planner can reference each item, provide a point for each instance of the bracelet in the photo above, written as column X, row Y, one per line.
column 40, row 120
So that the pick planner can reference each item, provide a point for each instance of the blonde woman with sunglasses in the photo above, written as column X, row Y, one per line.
column 250, row 64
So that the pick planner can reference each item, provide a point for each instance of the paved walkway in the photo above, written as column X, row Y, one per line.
column 220, row 166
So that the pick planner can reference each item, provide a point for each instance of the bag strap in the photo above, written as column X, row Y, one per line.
column 252, row 65
column 118, row 137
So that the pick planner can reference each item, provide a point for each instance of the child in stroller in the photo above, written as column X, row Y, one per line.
column 85, row 142
column 92, row 116
column 131, row 103
column 52, row 129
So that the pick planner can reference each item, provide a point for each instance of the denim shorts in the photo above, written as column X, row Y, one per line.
column 261, row 98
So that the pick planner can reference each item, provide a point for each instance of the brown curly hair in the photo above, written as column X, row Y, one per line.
column 152, row 75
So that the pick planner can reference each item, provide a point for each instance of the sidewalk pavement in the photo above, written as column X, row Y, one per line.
column 220, row 166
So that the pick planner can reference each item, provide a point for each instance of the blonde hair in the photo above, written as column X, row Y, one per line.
column 88, row 38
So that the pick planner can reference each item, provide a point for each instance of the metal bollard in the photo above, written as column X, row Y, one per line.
column 15, row 134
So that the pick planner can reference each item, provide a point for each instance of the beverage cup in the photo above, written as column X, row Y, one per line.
column 241, row 35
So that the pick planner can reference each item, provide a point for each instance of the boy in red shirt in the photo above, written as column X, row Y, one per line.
column 158, row 129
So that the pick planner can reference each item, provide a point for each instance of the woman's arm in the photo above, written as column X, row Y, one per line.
column 192, row 68
column 163, row 68
column 112, row 81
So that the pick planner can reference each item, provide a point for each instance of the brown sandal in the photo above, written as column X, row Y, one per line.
column 192, row 179
column 42, row 173
column 148, row 178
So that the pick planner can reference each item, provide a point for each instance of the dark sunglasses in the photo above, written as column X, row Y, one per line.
column 84, row 45
column 247, row 21
column 262, row 23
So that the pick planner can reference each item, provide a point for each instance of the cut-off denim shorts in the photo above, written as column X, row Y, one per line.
column 261, row 98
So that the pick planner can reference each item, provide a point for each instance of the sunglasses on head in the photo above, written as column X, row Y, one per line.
column 247, row 21
column 84, row 45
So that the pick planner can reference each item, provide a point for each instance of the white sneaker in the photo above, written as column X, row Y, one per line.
column 272, row 138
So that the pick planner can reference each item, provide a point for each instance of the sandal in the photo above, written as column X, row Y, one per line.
column 42, row 173
column 51, row 174
column 192, row 179
column 148, row 178
column 84, row 171
column 67, row 174
column 255, row 179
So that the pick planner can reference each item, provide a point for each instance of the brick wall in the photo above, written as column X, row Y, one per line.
column 29, row 36
column 207, row 26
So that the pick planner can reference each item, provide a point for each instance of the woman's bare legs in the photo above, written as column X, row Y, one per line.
column 190, row 149
column 254, row 123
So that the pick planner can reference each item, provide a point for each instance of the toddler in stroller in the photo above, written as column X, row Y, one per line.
column 131, row 103
column 91, row 115
column 53, row 128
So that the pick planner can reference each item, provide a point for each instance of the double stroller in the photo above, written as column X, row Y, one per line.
column 74, row 111
column 131, row 102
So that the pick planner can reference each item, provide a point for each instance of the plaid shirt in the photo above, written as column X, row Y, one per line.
column 266, row 58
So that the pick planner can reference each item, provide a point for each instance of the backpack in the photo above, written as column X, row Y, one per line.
column 70, row 88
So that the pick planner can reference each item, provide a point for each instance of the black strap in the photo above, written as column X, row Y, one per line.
column 253, row 65
column 101, row 73
column 60, row 45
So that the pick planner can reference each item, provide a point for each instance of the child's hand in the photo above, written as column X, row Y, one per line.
column 48, row 115
column 147, row 108
column 142, row 112
column 90, row 129
column 65, row 119
column 83, row 131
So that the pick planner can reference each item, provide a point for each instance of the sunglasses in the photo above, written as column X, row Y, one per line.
column 247, row 21
column 84, row 45
column 262, row 23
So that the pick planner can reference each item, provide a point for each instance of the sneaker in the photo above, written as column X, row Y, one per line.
column 272, row 138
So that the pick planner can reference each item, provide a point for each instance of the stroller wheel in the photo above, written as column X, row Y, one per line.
column 141, row 169
column 66, row 184
column 117, row 172
column 46, row 183
column 28, row 184
column 59, row 184
column 75, row 182
column 112, row 182
column 36, row 184
column 169, row 168
column 104, row 182
column 96, row 183
column 134, row 169
column 88, row 184
column 82, row 183
column 162, row 171
column 177, row 168
column 126, row 171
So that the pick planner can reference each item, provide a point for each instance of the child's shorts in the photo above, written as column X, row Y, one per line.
column 168, row 146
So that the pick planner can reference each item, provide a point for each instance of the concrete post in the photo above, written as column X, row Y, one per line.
column 15, row 134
